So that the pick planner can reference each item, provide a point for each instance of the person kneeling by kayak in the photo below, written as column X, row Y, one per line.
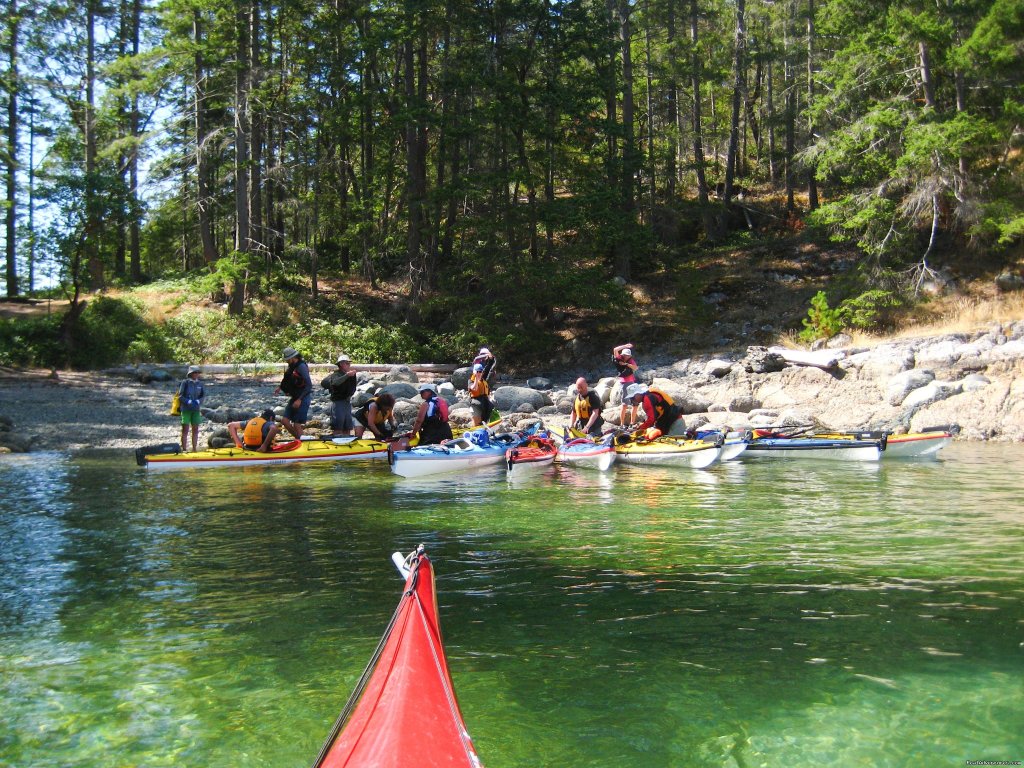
column 257, row 433
column 659, row 410
column 378, row 416
column 432, row 420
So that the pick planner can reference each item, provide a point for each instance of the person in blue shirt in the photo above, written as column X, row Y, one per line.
column 299, row 388
column 191, row 393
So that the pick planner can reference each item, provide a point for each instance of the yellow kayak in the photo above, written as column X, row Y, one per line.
column 169, row 455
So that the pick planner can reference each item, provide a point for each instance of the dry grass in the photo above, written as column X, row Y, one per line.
column 962, row 314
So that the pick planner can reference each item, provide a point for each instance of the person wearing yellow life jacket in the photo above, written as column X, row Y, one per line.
column 659, row 410
column 257, row 433
column 479, row 393
column 378, row 416
column 586, row 409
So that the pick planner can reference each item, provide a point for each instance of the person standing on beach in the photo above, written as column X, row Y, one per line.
column 626, row 367
column 479, row 392
column 342, row 385
column 191, row 393
column 486, row 359
column 299, row 388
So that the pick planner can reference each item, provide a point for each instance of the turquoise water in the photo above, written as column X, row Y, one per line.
column 755, row 614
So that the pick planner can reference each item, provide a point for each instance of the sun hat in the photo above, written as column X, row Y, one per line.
column 627, row 352
column 484, row 351
column 477, row 368
column 635, row 389
column 193, row 369
column 344, row 359
column 427, row 387
column 289, row 353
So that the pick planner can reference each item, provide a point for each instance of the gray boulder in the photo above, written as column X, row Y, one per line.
column 507, row 399
column 717, row 368
column 460, row 377
column 931, row 393
column 401, row 390
column 904, row 383
column 401, row 373
column 538, row 382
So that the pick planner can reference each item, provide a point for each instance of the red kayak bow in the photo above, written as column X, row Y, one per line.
column 405, row 712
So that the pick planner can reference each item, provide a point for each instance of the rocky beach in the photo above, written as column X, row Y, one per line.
column 974, row 380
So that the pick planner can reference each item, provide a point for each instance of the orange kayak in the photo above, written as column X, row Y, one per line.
column 403, row 711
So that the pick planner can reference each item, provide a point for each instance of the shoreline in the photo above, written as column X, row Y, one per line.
column 973, row 380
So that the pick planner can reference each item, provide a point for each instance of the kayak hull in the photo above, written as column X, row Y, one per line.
column 406, row 713
column 536, row 454
column 286, row 453
column 458, row 455
column 589, row 455
column 916, row 445
column 670, row 451
column 813, row 448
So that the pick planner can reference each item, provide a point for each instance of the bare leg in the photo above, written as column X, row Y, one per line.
column 195, row 436
column 184, row 434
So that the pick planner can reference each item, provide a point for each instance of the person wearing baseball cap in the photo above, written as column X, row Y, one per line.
column 626, row 367
column 342, row 385
column 299, row 388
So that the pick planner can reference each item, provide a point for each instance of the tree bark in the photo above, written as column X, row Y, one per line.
column 204, row 200
column 243, row 234
column 812, row 183
column 695, row 112
column 739, row 63
column 13, row 84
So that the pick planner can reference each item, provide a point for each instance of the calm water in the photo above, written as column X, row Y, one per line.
column 775, row 614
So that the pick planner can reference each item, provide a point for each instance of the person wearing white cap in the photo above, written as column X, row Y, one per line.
column 299, row 388
column 626, row 367
column 190, row 394
column 660, row 412
column 342, row 385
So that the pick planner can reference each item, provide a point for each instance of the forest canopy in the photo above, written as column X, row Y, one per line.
column 497, row 160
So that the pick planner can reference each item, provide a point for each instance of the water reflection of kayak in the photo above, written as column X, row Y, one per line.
column 403, row 710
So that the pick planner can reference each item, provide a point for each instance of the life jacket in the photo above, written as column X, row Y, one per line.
column 253, row 435
column 664, row 396
column 581, row 408
column 294, row 383
column 437, row 412
column 626, row 372
column 362, row 415
column 478, row 386
column 435, row 427
column 664, row 409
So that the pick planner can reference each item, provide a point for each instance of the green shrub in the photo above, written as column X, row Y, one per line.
column 34, row 341
column 822, row 322
column 104, row 332
column 863, row 312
